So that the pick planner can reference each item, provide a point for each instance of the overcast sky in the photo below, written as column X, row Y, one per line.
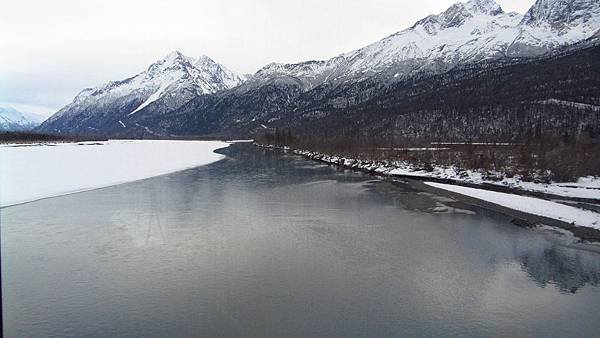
column 51, row 49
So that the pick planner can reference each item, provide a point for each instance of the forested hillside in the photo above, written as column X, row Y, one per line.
column 557, row 96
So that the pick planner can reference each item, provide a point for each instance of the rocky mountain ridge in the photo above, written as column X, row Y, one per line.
column 183, row 96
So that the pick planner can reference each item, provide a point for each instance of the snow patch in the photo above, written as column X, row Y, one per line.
column 29, row 173
column 530, row 205
column 571, row 104
column 153, row 97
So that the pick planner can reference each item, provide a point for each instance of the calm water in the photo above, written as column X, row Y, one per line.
column 265, row 244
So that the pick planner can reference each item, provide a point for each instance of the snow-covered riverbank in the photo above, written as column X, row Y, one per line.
column 585, row 188
column 530, row 205
column 35, row 171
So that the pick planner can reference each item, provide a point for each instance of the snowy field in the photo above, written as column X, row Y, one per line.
column 529, row 205
column 32, row 172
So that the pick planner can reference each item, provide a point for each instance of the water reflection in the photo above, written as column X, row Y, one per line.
column 547, row 263
column 268, row 244
column 568, row 269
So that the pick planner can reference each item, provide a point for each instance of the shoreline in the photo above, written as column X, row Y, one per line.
column 585, row 235
column 371, row 168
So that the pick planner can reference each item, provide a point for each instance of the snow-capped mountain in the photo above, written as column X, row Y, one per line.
column 14, row 120
column 174, row 74
column 466, row 32
column 563, row 16
column 165, row 86
column 168, row 99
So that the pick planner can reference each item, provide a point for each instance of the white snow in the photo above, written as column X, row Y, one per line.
column 153, row 97
column 240, row 141
column 414, row 149
column 585, row 188
column 572, row 104
column 466, row 32
column 29, row 173
column 176, row 73
column 13, row 119
column 529, row 205
column 589, row 182
column 472, row 144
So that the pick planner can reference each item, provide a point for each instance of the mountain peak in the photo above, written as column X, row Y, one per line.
column 174, row 55
column 172, row 80
column 457, row 14
column 218, row 73
column 558, row 13
column 489, row 7
column 205, row 58
column 14, row 120
column 205, row 61
column 174, row 58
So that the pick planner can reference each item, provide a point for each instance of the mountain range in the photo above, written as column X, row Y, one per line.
column 12, row 119
column 181, row 96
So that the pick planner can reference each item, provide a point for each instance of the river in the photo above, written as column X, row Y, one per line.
column 264, row 243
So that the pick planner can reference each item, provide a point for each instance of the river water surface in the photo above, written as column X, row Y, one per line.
column 268, row 244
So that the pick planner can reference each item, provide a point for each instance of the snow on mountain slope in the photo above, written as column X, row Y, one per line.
column 466, row 32
column 153, row 97
column 175, row 80
column 154, row 102
column 14, row 120
column 565, row 16
column 217, row 74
